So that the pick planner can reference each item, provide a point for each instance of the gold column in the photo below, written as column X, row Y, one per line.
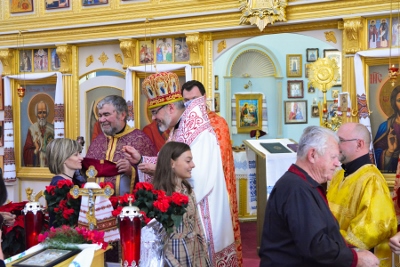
column 352, row 35
column 128, row 50
column 71, row 96
column 7, row 60
column 208, row 66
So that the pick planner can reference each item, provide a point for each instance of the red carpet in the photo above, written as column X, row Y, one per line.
column 248, row 232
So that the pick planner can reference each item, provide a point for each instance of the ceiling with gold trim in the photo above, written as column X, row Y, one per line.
column 126, row 19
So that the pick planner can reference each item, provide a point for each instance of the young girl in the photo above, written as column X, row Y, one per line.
column 186, row 245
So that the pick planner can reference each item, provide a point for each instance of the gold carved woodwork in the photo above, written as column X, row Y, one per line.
column 6, row 56
column 118, row 58
column 221, row 46
column 194, row 42
column 330, row 37
column 351, row 35
column 262, row 12
column 64, row 52
column 103, row 58
column 127, row 47
column 89, row 60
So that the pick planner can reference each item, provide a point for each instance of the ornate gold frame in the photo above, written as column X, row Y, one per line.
column 22, row 171
column 252, row 98
column 289, row 71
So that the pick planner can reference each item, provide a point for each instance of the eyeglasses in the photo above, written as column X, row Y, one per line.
column 347, row 140
column 155, row 111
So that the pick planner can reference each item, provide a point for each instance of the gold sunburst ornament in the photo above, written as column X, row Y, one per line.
column 323, row 74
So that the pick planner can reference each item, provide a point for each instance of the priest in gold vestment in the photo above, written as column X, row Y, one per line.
column 359, row 197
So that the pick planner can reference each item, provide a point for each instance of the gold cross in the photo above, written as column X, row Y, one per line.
column 92, row 193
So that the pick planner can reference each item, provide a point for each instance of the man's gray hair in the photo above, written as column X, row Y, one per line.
column 117, row 101
column 36, row 107
column 179, row 104
column 314, row 137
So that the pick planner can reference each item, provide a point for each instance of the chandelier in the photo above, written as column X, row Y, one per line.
column 393, row 69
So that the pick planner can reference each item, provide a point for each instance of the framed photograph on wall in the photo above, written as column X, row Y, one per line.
column 248, row 112
column 296, row 112
column 164, row 50
column 54, row 4
column 379, row 32
column 21, row 6
column 181, row 50
column 41, row 60
column 55, row 60
column 312, row 54
column 25, row 60
column 337, row 56
column 294, row 65
column 314, row 111
column 146, row 52
column 310, row 88
column 217, row 102
column 295, row 89
column 94, row 2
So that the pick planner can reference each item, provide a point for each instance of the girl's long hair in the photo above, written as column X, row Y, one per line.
column 164, row 178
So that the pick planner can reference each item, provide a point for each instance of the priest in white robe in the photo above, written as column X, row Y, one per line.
column 191, row 125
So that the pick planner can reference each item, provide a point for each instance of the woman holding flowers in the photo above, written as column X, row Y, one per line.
column 64, row 158
column 186, row 244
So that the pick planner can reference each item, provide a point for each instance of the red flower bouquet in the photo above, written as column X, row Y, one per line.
column 168, row 210
column 66, row 237
column 62, row 204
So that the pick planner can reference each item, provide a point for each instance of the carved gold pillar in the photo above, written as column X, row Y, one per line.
column 64, row 53
column 68, row 67
column 7, row 60
column 352, row 36
column 128, row 50
column 208, row 66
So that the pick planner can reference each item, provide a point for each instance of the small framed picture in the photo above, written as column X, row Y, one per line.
column 57, row 4
column 94, row 2
column 294, row 65
column 217, row 102
column 312, row 54
column 310, row 87
column 314, row 111
column 337, row 56
column 296, row 112
column 335, row 94
column 295, row 89
column 181, row 50
column 216, row 82
column 146, row 52
column 40, row 60
column 25, row 60
column 47, row 258
column 20, row 6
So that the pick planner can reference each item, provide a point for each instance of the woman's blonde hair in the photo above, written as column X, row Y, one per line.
column 58, row 151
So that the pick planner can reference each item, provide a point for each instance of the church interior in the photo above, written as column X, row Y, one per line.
column 260, row 61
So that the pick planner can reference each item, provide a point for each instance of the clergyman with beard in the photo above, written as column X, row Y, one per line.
column 39, row 135
column 112, row 116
